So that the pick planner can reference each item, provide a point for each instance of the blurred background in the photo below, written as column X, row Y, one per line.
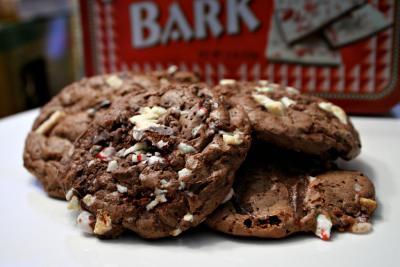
column 41, row 47
column 37, row 52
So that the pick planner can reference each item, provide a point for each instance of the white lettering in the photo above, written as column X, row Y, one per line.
column 206, row 14
column 239, row 9
column 176, row 20
column 139, row 24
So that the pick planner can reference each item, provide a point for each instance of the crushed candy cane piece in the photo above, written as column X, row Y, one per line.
column 292, row 90
column 196, row 130
column 263, row 82
column 138, row 157
column 274, row 107
column 160, row 198
column 181, row 185
column 264, row 89
column 357, row 187
column 106, row 154
column 85, row 222
column 154, row 160
column 48, row 124
column 161, row 144
column 184, row 173
column 112, row 166
column 311, row 178
column 185, row 148
column 114, row 81
column 324, row 225
column 337, row 111
column 69, row 194
column 201, row 112
column 122, row 189
column 136, row 147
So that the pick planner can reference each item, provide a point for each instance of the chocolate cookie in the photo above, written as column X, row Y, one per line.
column 158, row 163
column 289, row 194
column 69, row 113
column 304, row 123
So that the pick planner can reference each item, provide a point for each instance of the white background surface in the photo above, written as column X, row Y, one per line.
column 38, row 231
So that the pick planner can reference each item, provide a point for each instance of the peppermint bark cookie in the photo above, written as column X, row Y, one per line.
column 281, row 115
column 69, row 113
column 158, row 163
column 275, row 200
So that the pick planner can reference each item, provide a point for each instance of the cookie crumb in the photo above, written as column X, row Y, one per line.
column 367, row 203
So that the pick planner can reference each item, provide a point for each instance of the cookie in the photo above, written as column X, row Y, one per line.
column 69, row 113
column 157, row 163
column 287, row 194
column 281, row 115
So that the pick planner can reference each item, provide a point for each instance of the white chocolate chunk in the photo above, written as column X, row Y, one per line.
column 48, row 124
column 134, row 148
column 311, row 179
column 84, row 221
column 274, row 107
column 263, row 82
column 112, row 166
column 235, row 138
column 287, row 102
column 89, row 200
column 148, row 118
column 361, row 228
column 264, row 89
column 160, row 198
column 154, row 160
column 73, row 204
column 228, row 196
column 357, row 187
column 69, row 194
column 172, row 69
column 103, row 224
column 185, row 148
column 176, row 232
column 181, row 185
column 184, row 173
column 324, row 226
column 227, row 81
column 337, row 111
column 114, row 81
column 122, row 189
column 292, row 90
column 188, row 217
column 160, row 144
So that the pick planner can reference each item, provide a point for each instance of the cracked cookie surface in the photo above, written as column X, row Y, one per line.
column 70, row 112
column 282, row 116
column 290, row 193
column 157, row 163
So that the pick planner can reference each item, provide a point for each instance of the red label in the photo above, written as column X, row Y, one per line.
column 247, row 40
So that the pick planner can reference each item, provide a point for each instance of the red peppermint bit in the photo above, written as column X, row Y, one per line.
column 310, row 7
column 139, row 157
column 324, row 235
column 287, row 14
column 101, row 156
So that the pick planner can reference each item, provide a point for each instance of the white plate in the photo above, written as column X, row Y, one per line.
column 38, row 231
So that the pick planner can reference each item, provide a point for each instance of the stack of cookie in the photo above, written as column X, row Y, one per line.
column 160, row 153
